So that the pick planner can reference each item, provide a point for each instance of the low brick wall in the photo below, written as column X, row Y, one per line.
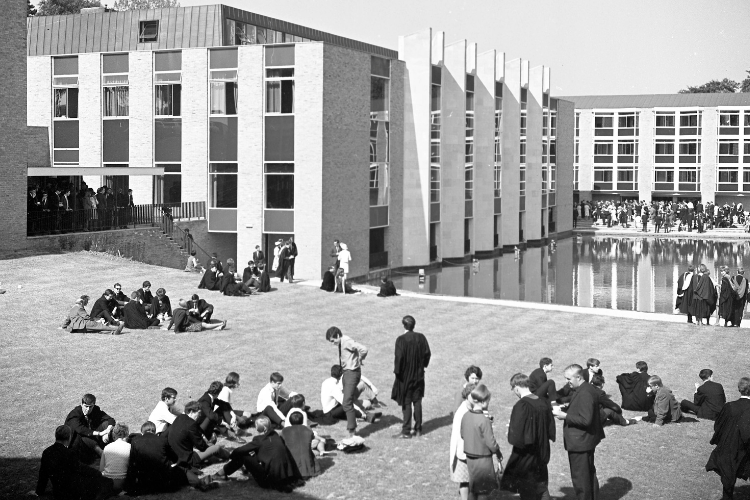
column 148, row 245
column 224, row 244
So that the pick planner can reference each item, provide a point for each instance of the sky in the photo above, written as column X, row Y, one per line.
column 594, row 47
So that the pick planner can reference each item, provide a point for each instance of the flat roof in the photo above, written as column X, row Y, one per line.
column 659, row 100
column 179, row 28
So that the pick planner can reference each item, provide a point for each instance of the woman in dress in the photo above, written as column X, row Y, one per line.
column 345, row 257
column 480, row 445
column 459, row 469
column 276, row 252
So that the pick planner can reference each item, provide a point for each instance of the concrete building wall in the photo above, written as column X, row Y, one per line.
column 13, row 125
column 195, row 124
column 709, row 152
column 483, row 239
column 250, row 201
column 453, row 136
column 586, row 151
column 533, row 230
column 511, row 141
column 416, row 51
column 345, row 154
column 39, row 91
column 141, row 123
column 394, row 235
column 565, row 144
column 646, row 155
column 90, row 114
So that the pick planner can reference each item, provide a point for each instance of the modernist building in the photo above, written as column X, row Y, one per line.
column 663, row 147
column 433, row 153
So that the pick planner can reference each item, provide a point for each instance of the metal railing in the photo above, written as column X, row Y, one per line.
column 183, row 238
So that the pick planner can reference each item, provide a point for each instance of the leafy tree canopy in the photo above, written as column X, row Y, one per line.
column 30, row 9
column 144, row 4
column 60, row 7
column 725, row 86
column 746, row 83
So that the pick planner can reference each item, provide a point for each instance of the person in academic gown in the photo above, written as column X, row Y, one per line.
column 740, row 299
column 685, row 292
column 412, row 356
column 726, row 297
column 265, row 280
column 730, row 459
column 135, row 317
column 633, row 389
column 298, row 440
column 329, row 280
column 211, row 279
column 387, row 288
column 530, row 431
column 704, row 296
column 284, row 255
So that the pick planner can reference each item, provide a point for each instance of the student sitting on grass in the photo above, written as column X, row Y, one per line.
column 200, row 309
column 213, row 410
column 709, row 397
column 78, row 320
column 300, row 439
column 161, row 308
column 329, row 280
column 633, row 389
column 90, row 427
column 116, row 456
column 186, row 439
column 332, row 397
column 665, row 408
column 541, row 386
column 146, row 296
column 273, row 400
column 135, row 316
column 609, row 411
column 70, row 479
column 298, row 407
column 183, row 322
column 106, row 308
column 164, row 413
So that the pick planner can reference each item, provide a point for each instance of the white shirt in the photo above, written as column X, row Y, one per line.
column 267, row 397
column 331, row 394
column 345, row 257
column 225, row 395
column 115, row 459
column 161, row 416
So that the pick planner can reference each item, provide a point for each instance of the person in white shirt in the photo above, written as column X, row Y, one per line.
column 332, row 397
column 165, row 412
column 116, row 456
column 235, row 418
column 269, row 398
column 368, row 393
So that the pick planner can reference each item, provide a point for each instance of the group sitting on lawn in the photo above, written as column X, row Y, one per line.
column 174, row 444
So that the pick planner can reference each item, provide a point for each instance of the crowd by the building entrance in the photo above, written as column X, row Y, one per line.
column 662, row 216
column 61, row 207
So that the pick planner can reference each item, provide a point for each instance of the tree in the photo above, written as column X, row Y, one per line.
column 144, row 4
column 725, row 86
column 60, row 7
column 30, row 9
column 746, row 82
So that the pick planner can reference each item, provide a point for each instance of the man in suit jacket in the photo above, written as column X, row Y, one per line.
column 539, row 384
column 209, row 419
column 609, row 411
column 582, row 432
column 565, row 394
column 258, row 255
column 709, row 397
column 186, row 439
column 90, row 426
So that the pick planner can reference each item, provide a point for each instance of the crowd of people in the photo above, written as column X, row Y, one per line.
column 227, row 280
column 699, row 297
column 664, row 216
column 59, row 208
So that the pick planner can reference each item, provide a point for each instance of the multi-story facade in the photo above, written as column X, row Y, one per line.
column 663, row 147
column 282, row 130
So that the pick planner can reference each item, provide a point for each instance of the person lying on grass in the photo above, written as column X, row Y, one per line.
column 183, row 322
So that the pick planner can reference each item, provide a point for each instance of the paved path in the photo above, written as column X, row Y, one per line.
column 588, row 228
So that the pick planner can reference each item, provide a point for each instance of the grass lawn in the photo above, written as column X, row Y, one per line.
column 44, row 371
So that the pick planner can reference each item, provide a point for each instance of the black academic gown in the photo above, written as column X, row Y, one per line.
column 387, row 289
column 298, row 439
column 412, row 356
column 726, row 299
column 228, row 286
column 135, row 315
column 704, row 297
column 329, row 282
column 210, row 281
column 684, row 298
column 530, row 431
column 633, row 390
column 740, row 300
column 730, row 458
column 265, row 282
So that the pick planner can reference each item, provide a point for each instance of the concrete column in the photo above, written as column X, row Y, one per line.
column 90, row 113
column 646, row 155
column 249, row 152
column 709, row 150
column 511, row 141
column 415, row 51
column 39, row 89
column 534, row 113
column 141, row 124
column 563, row 258
column 394, row 235
column 565, row 152
column 195, row 124
column 586, row 152
column 483, row 240
column 453, row 151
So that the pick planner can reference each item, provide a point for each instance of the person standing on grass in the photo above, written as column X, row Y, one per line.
column 740, row 298
column 480, row 445
column 582, row 432
column 726, row 296
column 530, row 431
column 730, row 459
column 351, row 356
column 459, row 468
column 685, row 292
column 412, row 356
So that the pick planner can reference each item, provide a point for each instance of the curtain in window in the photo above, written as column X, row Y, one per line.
column 235, row 98
column 273, row 97
column 163, row 98
column 116, row 101
column 61, row 103
column 218, row 98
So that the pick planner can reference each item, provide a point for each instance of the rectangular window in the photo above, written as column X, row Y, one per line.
column 115, row 140
column 664, row 122
column 280, row 91
column 65, row 102
column 498, row 181
column 603, row 179
column 279, row 56
column 746, row 159
column 379, row 184
column 664, row 152
column 576, row 156
column 728, row 179
column 380, row 67
column 279, row 185
column 627, row 124
column 690, row 151
column 168, row 187
column 603, row 152
column 469, row 182
column 379, row 141
column 222, row 185
column 690, row 122
column 116, row 101
column 148, row 31
column 627, row 179
column 523, row 124
column 627, row 152
column 379, row 98
column 167, row 100
column 434, row 184
column 167, row 139
column 578, row 124
column 524, row 98
column 553, row 152
column 167, row 83
column 729, row 151
column 663, row 180
column 522, row 184
column 729, row 122
column 223, row 81
column 522, row 152
column 603, row 124
column 116, row 93
column 553, row 124
column 746, row 123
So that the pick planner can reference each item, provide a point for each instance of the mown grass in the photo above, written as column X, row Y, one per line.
column 44, row 371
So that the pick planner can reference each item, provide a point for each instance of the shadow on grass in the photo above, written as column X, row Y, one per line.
column 614, row 489
column 385, row 422
column 19, row 477
column 437, row 423
column 741, row 492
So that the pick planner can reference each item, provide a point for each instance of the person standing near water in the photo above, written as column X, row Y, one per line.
column 685, row 292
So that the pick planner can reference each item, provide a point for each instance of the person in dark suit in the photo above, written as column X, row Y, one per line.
column 91, row 427
column 135, row 317
column 258, row 255
column 732, row 439
column 609, row 411
column 633, row 389
column 104, row 307
column 292, row 258
column 200, row 309
column 146, row 296
column 250, row 273
column 539, row 384
column 709, row 397
column 565, row 394
column 70, row 479
column 186, row 439
column 151, row 469
column 582, row 432
column 685, row 292
column 284, row 257
column 211, row 279
column 265, row 280
column 210, row 419
column 329, row 280
column 412, row 356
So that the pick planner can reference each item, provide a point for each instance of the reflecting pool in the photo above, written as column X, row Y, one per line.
column 638, row 274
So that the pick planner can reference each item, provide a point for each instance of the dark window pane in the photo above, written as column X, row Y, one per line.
column 279, row 143
column 223, row 190
column 66, row 156
column 171, row 168
column 223, row 168
column 168, row 139
column 115, row 140
column 65, row 65
column 280, row 73
column 436, row 75
column 470, row 83
column 280, row 191
column 66, row 134
column 279, row 168
column 378, row 94
column 377, row 240
column 223, row 139
column 280, row 56
column 115, row 63
column 172, row 186
column 380, row 67
column 224, row 58
column 168, row 61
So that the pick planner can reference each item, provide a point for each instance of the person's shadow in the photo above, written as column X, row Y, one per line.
column 383, row 423
column 437, row 423
column 614, row 489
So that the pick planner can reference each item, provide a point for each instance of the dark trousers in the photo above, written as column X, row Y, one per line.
column 89, row 448
column 531, row 490
column 547, row 390
column 337, row 413
column 645, row 224
column 583, row 475
column 686, row 405
column 208, row 426
column 291, row 268
column 727, row 487
column 237, row 458
column 273, row 416
column 350, row 379
column 609, row 415
column 406, row 408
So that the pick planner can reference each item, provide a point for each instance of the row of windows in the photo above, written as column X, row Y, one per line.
column 239, row 33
